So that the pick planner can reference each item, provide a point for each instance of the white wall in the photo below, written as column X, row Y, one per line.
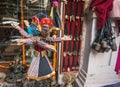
column 101, row 66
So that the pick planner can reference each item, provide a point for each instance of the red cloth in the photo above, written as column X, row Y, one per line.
column 78, row 24
column 38, row 48
column 80, row 8
column 69, row 6
column 102, row 10
column 70, row 62
column 65, row 62
column 67, row 23
column 117, row 67
column 73, row 29
column 75, row 7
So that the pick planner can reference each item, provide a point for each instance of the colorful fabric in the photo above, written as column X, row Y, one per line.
column 102, row 10
column 34, row 67
column 117, row 67
column 55, row 39
column 32, row 30
column 39, row 67
column 38, row 48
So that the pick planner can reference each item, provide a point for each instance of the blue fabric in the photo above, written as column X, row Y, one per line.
column 32, row 30
column 44, row 67
column 31, row 59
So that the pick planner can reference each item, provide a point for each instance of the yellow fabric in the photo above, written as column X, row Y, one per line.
column 42, row 77
column 43, row 53
column 51, row 13
column 39, row 27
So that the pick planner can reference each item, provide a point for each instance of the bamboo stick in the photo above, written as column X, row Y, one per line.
column 5, row 67
column 22, row 22
column 54, row 59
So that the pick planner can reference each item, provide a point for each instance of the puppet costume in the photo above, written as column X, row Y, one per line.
column 32, row 30
column 40, row 67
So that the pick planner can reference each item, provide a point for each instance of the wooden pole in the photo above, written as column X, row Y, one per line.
column 82, row 35
column 3, row 66
column 54, row 59
column 22, row 25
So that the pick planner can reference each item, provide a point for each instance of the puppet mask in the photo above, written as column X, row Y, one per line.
column 46, row 24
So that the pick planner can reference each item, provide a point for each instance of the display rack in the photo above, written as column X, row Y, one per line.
column 18, row 11
column 72, row 22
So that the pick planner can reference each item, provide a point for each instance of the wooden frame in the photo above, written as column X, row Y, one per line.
column 23, row 46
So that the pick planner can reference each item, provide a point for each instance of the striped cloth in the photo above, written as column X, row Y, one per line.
column 33, row 70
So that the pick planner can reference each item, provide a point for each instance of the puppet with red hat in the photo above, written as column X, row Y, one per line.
column 40, row 66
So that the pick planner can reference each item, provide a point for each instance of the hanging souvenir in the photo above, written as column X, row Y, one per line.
column 40, row 59
column 102, row 10
column 105, row 39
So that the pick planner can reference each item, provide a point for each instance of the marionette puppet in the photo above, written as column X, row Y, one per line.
column 40, row 67
column 33, row 29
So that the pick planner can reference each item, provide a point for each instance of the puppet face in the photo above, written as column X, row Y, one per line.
column 46, row 24
column 45, row 31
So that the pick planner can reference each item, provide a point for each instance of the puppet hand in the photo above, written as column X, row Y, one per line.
column 15, row 25
column 66, row 38
column 33, row 1
column 26, row 23
column 19, row 41
column 51, row 47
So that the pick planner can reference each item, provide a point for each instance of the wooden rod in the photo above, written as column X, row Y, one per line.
column 3, row 66
column 8, row 27
column 54, row 59
column 22, row 25
column 83, row 33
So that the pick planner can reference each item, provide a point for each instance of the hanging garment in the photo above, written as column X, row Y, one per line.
column 117, row 67
column 102, row 10
column 115, row 13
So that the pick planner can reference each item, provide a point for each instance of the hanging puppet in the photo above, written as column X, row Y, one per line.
column 40, row 67
column 33, row 30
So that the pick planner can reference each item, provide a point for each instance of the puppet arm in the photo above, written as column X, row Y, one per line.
column 58, row 39
column 46, row 45
column 27, row 23
column 23, row 41
column 22, row 31
column 54, row 39
column 66, row 38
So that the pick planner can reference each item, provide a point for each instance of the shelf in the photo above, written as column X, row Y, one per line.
column 7, row 27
